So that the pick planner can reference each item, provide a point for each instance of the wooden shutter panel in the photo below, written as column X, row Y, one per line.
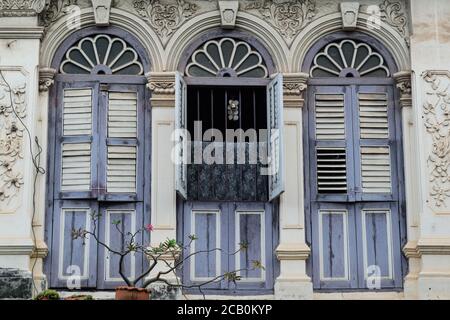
column 376, row 169
column 76, row 167
column 123, row 146
column 121, row 169
column 181, row 137
column 330, row 117
column 373, row 115
column 331, row 170
column 77, row 116
column 122, row 115
column 275, row 136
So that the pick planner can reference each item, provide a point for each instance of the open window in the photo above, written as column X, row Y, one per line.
column 231, row 111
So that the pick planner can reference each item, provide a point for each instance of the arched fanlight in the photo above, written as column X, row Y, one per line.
column 226, row 58
column 347, row 58
column 102, row 54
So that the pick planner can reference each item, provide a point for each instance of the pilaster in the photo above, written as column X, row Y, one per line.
column 292, row 251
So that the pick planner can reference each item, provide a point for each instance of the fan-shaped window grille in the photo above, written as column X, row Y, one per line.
column 226, row 57
column 348, row 58
column 102, row 54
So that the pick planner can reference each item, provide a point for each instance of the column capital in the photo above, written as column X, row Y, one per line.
column 294, row 87
column 46, row 78
column 162, row 87
column 403, row 83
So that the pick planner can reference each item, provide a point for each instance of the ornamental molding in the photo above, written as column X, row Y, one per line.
column 294, row 88
column 288, row 17
column 436, row 117
column 13, row 108
column 165, row 18
column 427, row 246
column 299, row 251
column 403, row 83
column 22, row 8
column 57, row 9
column 394, row 14
column 46, row 78
column 228, row 13
column 102, row 10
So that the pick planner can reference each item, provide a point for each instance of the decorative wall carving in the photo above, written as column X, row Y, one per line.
column 288, row 17
column 13, row 107
column 436, row 115
column 349, row 11
column 228, row 13
column 165, row 19
column 21, row 8
column 55, row 10
column 393, row 13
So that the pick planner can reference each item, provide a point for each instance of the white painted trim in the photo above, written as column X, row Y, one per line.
column 344, row 214
column 86, row 247
column 107, row 241
column 193, row 278
column 262, row 278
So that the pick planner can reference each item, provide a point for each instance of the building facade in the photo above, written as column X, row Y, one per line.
column 345, row 103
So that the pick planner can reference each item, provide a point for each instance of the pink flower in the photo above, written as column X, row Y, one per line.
column 149, row 228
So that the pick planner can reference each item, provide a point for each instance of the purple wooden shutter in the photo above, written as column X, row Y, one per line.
column 181, row 150
column 275, row 136
column 354, row 190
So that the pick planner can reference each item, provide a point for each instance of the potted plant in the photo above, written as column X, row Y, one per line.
column 48, row 295
column 136, row 289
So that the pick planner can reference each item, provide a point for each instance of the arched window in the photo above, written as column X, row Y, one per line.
column 352, row 161
column 224, row 88
column 100, row 120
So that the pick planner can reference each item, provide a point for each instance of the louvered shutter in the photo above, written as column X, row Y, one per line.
column 123, row 166
column 76, row 147
column 329, row 147
column 275, row 137
column 375, row 145
column 181, row 143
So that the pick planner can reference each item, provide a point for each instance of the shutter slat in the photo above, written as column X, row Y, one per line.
column 330, row 178
column 373, row 116
column 76, row 167
column 122, row 115
column 330, row 121
column 77, row 112
column 121, row 172
column 376, row 169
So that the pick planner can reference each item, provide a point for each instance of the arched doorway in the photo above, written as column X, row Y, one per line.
column 230, row 107
column 100, row 118
column 353, row 160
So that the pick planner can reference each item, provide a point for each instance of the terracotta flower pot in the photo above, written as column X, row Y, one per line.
column 131, row 293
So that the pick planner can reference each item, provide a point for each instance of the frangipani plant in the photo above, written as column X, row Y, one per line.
column 159, row 255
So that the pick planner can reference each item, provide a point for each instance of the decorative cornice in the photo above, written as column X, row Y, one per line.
column 297, row 251
column 294, row 87
column 22, row 8
column 403, row 83
column 46, row 78
column 15, row 32
column 162, row 87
